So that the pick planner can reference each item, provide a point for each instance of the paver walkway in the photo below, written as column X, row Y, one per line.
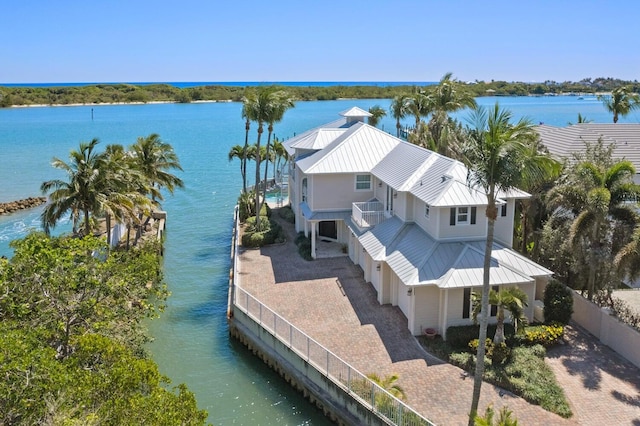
column 329, row 300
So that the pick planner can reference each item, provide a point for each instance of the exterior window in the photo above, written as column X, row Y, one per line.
column 466, row 303
column 463, row 215
column 503, row 210
column 363, row 182
column 426, row 210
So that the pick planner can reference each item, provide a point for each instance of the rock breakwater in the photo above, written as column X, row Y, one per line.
column 26, row 203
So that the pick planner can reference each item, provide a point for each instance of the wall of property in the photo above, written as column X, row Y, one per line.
column 426, row 308
column 430, row 224
column 403, row 206
column 459, row 231
column 504, row 224
column 620, row 337
column 335, row 192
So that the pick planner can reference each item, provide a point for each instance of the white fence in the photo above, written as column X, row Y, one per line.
column 361, row 388
column 620, row 337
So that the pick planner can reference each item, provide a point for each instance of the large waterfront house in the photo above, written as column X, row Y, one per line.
column 564, row 141
column 407, row 216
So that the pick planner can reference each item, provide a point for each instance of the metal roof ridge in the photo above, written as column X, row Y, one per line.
column 519, row 256
column 334, row 145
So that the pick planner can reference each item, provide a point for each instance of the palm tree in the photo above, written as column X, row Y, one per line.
column 494, row 155
column 377, row 112
column 446, row 97
column 419, row 105
column 597, row 192
column 627, row 261
column 154, row 158
column 511, row 299
column 267, row 106
column 282, row 156
column 388, row 384
column 581, row 119
column 240, row 153
column 537, row 186
column 280, row 102
column 247, row 112
column 399, row 110
column 620, row 102
column 122, row 190
column 78, row 194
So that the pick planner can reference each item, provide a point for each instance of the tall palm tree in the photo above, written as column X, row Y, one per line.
column 399, row 110
column 268, row 106
column 282, row 156
column 248, row 114
column 155, row 158
column 511, row 299
column 620, row 102
column 419, row 104
column 123, row 189
column 240, row 152
column 597, row 192
column 446, row 97
column 78, row 194
column 280, row 102
column 377, row 112
column 494, row 154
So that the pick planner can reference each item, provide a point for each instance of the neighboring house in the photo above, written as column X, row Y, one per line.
column 408, row 218
column 562, row 142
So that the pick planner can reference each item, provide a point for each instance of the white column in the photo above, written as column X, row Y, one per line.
column 313, row 240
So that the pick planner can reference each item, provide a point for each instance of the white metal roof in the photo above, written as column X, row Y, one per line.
column 380, row 237
column 341, row 122
column 357, row 150
column 418, row 259
column 320, row 215
column 355, row 112
column 318, row 139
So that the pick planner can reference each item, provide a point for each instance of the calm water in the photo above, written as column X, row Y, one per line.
column 191, row 340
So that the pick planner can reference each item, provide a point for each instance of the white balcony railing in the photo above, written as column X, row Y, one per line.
column 367, row 214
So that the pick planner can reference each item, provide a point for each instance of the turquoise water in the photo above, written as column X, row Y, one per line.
column 191, row 340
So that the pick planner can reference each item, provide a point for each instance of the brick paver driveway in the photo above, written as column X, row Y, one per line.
column 329, row 300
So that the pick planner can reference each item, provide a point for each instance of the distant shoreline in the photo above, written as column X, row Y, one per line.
column 78, row 104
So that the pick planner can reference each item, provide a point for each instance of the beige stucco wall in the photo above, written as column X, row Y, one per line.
column 446, row 231
column 503, row 232
column 426, row 308
column 335, row 192
column 429, row 225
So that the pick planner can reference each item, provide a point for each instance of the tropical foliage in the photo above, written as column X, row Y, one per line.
column 621, row 102
column 113, row 184
column 511, row 299
column 495, row 155
column 72, row 336
column 594, row 202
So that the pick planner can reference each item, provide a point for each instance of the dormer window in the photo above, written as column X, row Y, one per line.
column 363, row 182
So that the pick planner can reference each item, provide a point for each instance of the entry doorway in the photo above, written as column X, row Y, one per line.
column 328, row 229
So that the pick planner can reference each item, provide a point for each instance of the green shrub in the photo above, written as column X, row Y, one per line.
column 271, row 233
column 304, row 246
column 265, row 224
column 539, row 350
column 464, row 360
column 558, row 303
column 500, row 353
column 246, row 206
column 287, row 214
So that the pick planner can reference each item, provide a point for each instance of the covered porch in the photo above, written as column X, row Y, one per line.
column 327, row 231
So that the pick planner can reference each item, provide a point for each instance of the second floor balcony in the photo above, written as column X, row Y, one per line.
column 367, row 214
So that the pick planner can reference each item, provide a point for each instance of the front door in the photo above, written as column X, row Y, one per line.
column 328, row 229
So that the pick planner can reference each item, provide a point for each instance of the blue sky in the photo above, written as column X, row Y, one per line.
column 328, row 40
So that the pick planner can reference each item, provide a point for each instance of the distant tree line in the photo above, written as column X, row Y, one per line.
column 128, row 93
